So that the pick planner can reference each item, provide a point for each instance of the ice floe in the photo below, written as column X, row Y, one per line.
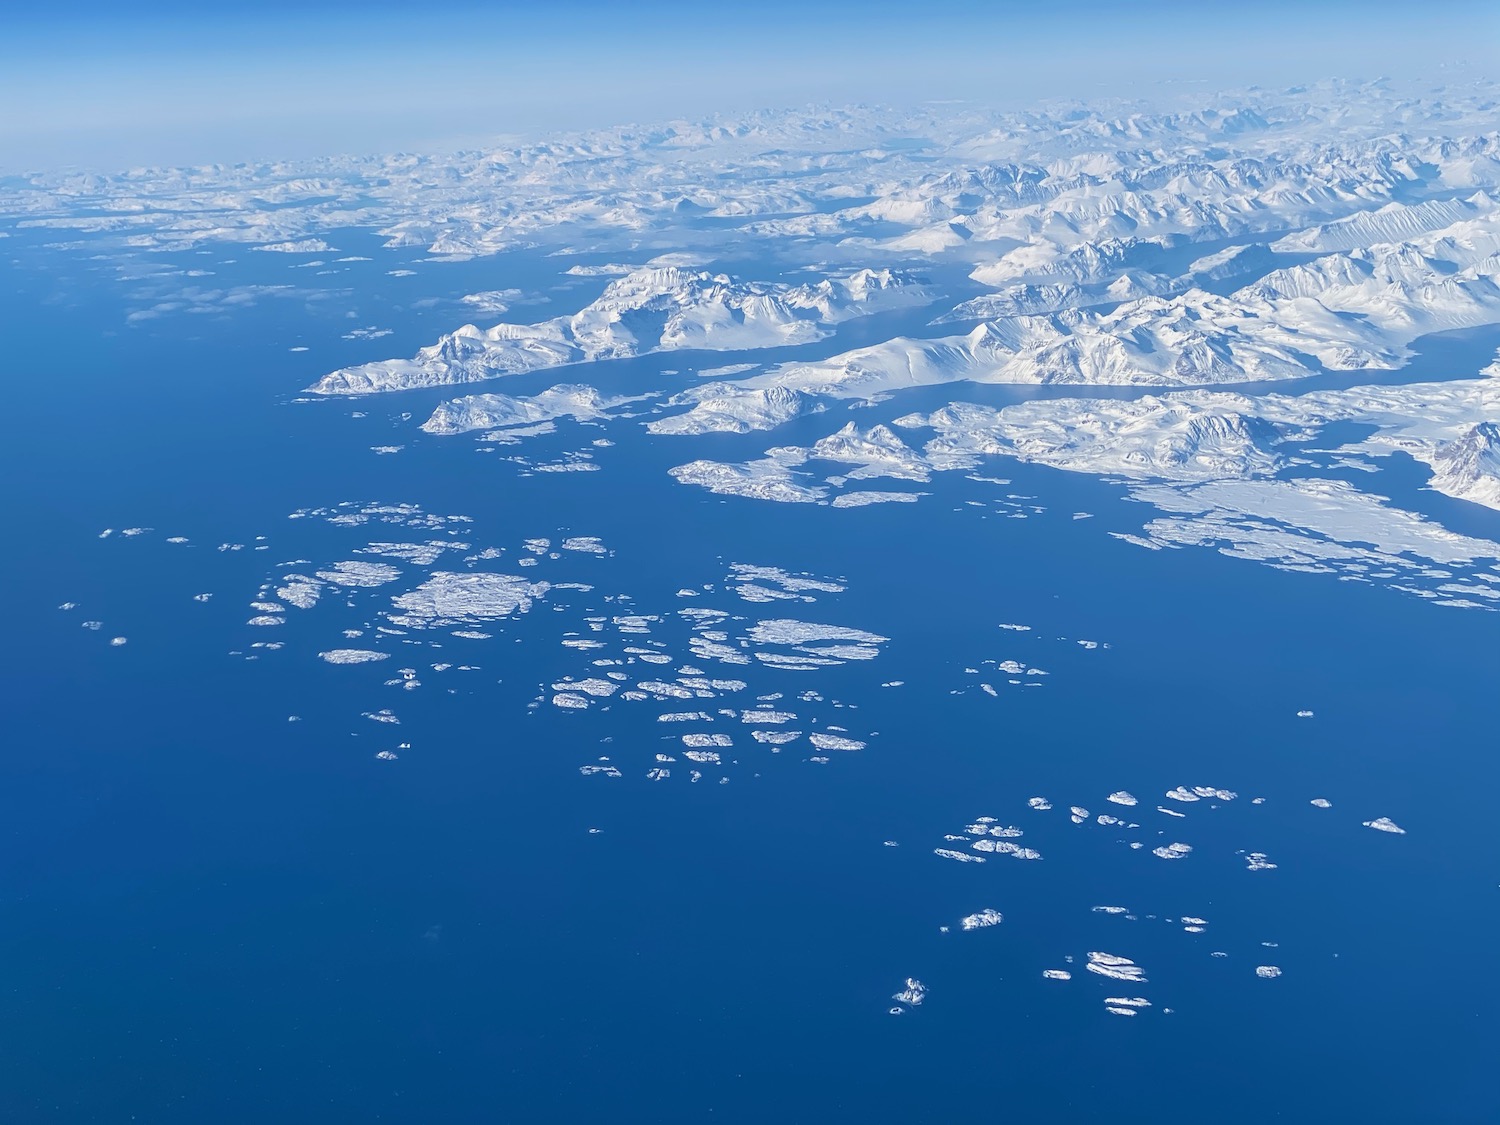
column 359, row 574
column 1173, row 851
column 451, row 598
column 981, row 919
column 834, row 742
column 352, row 656
column 913, row 994
column 768, row 583
column 1115, row 967
column 961, row 857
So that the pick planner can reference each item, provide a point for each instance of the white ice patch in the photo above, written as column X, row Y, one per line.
column 775, row 737
column 1115, row 967
column 448, row 598
column 784, row 631
column 359, row 574
column 352, row 656
column 834, row 742
column 913, row 994
column 769, row 583
column 961, row 857
column 982, row 919
column 299, row 591
column 771, row 718
column 592, row 686
column 865, row 499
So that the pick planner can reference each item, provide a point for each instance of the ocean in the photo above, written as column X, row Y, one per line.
column 213, row 913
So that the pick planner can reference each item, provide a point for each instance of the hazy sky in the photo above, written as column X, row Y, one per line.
column 114, row 85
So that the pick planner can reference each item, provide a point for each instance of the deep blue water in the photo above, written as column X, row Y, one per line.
column 212, row 914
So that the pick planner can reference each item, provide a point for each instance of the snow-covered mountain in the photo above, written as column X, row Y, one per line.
column 1179, row 437
column 1213, row 435
column 876, row 452
column 663, row 308
column 1468, row 467
column 494, row 412
column 1350, row 310
column 727, row 408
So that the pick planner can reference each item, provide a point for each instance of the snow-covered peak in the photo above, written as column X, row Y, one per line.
column 1468, row 467
column 877, row 452
column 728, row 408
column 491, row 412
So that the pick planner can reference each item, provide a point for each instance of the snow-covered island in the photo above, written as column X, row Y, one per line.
column 666, row 308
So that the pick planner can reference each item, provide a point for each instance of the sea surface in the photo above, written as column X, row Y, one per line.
column 212, row 914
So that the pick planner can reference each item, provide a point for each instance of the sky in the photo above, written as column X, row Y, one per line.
column 107, row 86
